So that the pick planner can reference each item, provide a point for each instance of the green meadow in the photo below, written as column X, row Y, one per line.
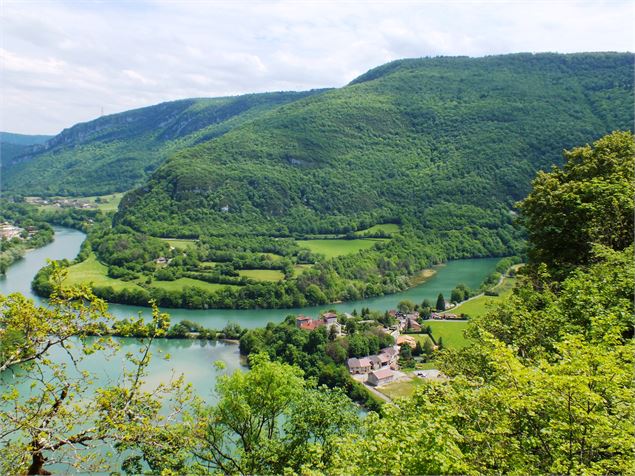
column 481, row 305
column 262, row 274
column 334, row 248
column 388, row 228
column 91, row 271
column 179, row 284
column 450, row 331
column 180, row 244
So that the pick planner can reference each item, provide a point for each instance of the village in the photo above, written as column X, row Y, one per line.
column 61, row 202
column 9, row 231
column 383, row 368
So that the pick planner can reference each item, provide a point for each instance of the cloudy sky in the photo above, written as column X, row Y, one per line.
column 63, row 62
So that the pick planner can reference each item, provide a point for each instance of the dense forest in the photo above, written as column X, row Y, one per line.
column 446, row 144
column 544, row 386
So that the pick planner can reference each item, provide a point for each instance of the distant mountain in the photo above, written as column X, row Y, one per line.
column 23, row 139
column 445, row 144
column 117, row 152
column 13, row 145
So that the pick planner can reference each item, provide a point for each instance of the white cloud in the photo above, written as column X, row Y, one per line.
column 62, row 61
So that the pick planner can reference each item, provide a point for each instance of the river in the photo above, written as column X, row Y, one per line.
column 67, row 241
column 194, row 358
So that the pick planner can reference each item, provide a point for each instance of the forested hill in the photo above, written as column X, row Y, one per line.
column 117, row 152
column 443, row 143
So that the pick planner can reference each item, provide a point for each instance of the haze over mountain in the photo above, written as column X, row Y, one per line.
column 13, row 145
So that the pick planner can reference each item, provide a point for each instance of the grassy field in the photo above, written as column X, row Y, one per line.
column 389, row 228
column 401, row 389
column 208, row 264
column 92, row 271
column 272, row 256
column 108, row 203
column 452, row 333
column 480, row 305
column 180, row 244
column 262, row 274
column 333, row 248
column 421, row 338
column 179, row 284
column 301, row 268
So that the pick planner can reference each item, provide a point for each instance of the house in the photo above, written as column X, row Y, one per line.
column 299, row 320
column 409, row 340
column 329, row 317
column 359, row 366
column 308, row 324
column 161, row 260
column 381, row 377
column 379, row 361
column 393, row 355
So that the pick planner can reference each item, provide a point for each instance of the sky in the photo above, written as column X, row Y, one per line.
column 63, row 62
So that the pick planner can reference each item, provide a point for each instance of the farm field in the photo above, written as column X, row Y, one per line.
column 273, row 256
column 389, row 228
column 179, row 244
column 262, row 274
column 92, row 271
column 179, row 284
column 334, row 248
column 301, row 268
column 480, row 305
column 451, row 331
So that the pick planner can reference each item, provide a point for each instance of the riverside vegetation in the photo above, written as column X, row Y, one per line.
column 544, row 386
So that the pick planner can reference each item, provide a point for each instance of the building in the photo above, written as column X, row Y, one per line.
column 329, row 320
column 381, row 377
column 393, row 355
column 359, row 366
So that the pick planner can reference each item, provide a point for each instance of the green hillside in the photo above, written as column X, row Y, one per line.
column 117, row 152
column 441, row 143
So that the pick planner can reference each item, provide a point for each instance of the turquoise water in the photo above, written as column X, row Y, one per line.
column 67, row 242
column 194, row 358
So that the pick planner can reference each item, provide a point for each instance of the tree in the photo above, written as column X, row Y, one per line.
column 418, row 350
column 440, row 343
column 63, row 415
column 267, row 420
column 440, row 302
column 406, row 306
column 428, row 347
column 589, row 201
